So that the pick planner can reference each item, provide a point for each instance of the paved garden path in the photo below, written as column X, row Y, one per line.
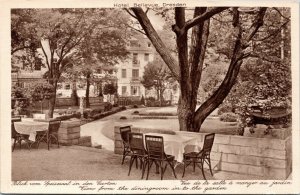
column 100, row 129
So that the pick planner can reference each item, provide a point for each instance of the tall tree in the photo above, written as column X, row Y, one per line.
column 191, row 55
column 157, row 76
column 62, row 33
column 98, row 53
column 265, row 78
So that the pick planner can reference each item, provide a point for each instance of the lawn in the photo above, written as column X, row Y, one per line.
column 211, row 124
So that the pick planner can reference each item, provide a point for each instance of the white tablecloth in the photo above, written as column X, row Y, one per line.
column 30, row 128
column 176, row 145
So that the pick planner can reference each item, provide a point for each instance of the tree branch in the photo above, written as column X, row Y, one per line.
column 18, row 49
column 130, row 13
column 199, row 40
column 208, row 14
column 47, row 60
column 182, row 47
column 259, row 21
column 275, row 8
column 136, row 29
column 156, row 41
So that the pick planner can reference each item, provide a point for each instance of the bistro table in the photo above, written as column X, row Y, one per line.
column 30, row 128
column 176, row 145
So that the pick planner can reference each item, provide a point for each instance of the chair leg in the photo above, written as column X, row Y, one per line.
column 143, row 167
column 161, row 169
column 130, row 164
column 157, row 167
column 173, row 169
column 194, row 164
column 184, row 165
column 202, row 163
column 48, row 141
column 15, row 140
column 123, row 156
column 136, row 163
column 148, row 169
column 209, row 164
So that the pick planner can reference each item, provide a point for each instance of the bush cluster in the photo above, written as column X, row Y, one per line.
column 107, row 113
column 225, row 108
column 136, row 112
column 69, row 116
column 158, row 114
column 229, row 117
column 151, row 117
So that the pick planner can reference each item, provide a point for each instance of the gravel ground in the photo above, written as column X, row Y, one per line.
column 85, row 163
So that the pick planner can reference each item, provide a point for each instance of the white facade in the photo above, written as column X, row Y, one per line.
column 130, row 72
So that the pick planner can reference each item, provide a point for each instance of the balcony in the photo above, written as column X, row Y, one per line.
column 135, row 80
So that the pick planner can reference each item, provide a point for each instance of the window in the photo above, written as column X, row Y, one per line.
column 135, row 90
column 67, row 86
column 123, row 73
column 135, row 58
column 134, row 43
column 135, row 73
column 149, row 44
column 124, row 89
column 146, row 57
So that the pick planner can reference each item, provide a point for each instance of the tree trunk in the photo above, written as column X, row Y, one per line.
column 74, row 95
column 87, row 91
column 161, row 97
column 157, row 94
column 185, row 115
column 52, row 100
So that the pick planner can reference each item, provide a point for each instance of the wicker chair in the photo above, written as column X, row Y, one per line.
column 138, row 152
column 18, row 138
column 198, row 158
column 124, row 131
column 156, row 154
column 49, row 135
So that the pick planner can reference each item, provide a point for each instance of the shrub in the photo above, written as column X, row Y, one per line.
column 123, row 117
column 142, row 100
column 229, row 117
column 135, row 106
column 151, row 117
column 69, row 116
column 225, row 108
column 158, row 114
column 107, row 106
column 136, row 112
column 96, row 111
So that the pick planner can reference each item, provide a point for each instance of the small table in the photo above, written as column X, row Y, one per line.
column 30, row 128
column 176, row 145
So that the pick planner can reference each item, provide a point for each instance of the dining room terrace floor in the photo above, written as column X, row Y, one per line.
column 87, row 163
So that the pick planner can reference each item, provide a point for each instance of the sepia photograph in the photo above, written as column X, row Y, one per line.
column 150, row 97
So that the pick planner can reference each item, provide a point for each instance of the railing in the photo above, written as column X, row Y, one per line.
column 136, row 79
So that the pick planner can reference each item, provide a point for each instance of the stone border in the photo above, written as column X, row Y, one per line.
column 266, row 157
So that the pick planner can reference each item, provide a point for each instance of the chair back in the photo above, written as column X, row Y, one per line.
column 13, row 130
column 208, row 143
column 136, row 143
column 124, row 131
column 155, row 146
column 54, row 126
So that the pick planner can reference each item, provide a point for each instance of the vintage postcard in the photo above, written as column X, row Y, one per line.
column 134, row 97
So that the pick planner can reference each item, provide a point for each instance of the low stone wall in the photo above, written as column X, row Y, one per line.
column 69, row 134
column 266, row 157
